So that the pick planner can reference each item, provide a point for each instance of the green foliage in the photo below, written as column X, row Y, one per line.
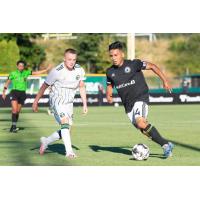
column 93, row 50
column 9, row 55
column 86, row 45
column 186, row 51
column 32, row 53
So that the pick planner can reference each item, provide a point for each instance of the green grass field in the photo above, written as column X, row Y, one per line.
column 104, row 137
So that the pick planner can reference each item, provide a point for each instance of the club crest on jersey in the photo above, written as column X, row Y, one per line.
column 77, row 77
column 62, row 115
column 127, row 69
column 113, row 74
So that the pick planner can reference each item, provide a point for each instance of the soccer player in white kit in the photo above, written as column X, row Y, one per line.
column 64, row 80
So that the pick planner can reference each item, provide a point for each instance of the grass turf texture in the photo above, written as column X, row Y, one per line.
column 104, row 137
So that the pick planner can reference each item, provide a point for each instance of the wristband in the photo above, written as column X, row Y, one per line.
column 5, row 88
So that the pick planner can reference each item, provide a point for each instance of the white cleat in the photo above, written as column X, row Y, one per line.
column 43, row 145
column 71, row 155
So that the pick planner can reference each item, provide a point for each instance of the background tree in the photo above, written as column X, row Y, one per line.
column 29, row 51
column 93, row 50
column 186, row 54
column 9, row 55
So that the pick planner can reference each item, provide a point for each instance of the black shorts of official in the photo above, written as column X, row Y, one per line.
column 17, row 95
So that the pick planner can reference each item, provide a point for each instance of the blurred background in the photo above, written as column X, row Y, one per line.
column 178, row 56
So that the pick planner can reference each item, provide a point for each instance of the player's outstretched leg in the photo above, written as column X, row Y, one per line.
column 153, row 133
column 45, row 141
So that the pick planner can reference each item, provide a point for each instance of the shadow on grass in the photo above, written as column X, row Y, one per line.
column 185, row 146
column 5, row 120
column 15, row 153
column 55, row 148
column 157, row 155
column 121, row 150
column 8, row 129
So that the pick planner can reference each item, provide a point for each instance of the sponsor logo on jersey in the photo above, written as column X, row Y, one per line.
column 144, row 63
column 113, row 74
column 123, row 85
column 127, row 69
column 59, row 68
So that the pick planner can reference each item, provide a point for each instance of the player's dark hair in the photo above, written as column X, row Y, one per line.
column 73, row 51
column 21, row 61
column 116, row 45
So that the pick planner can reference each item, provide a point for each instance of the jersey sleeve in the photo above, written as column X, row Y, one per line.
column 82, row 78
column 141, row 65
column 52, row 77
column 11, row 76
column 108, row 79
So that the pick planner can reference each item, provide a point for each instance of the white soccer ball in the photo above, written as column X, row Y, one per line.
column 140, row 152
column 116, row 104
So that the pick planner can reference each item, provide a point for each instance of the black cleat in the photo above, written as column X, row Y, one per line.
column 14, row 129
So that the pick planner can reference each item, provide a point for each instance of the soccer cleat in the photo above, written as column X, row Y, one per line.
column 43, row 145
column 167, row 148
column 71, row 155
column 13, row 129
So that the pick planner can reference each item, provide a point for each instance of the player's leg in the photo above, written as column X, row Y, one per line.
column 65, row 132
column 66, row 113
column 14, row 104
column 19, row 107
column 139, row 119
column 21, row 97
column 45, row 141
column 63, row 115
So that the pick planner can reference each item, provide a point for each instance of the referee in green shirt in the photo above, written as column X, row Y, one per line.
column 18, row 92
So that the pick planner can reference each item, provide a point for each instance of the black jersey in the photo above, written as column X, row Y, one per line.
column 129, row 82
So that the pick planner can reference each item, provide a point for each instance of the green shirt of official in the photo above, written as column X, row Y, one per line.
column 19, row 79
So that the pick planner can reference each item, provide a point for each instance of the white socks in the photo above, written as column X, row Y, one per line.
column 65, row 133
column 52, row 138
column 67, row 140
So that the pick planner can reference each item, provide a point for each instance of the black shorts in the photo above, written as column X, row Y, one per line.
column 17, row 95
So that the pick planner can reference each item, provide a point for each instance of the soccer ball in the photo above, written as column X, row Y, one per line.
column 140, row 152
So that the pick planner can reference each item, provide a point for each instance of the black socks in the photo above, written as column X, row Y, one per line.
column 153, row 133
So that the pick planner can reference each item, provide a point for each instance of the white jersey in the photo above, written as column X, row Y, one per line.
column 64, row 84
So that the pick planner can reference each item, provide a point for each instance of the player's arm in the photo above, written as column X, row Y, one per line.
column 42, row 71
column 39, row 95
column 83, row 96
column 109, row 92
column 156, row 70
column 7, row 83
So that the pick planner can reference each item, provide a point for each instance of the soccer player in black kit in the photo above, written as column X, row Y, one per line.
column 127, row 77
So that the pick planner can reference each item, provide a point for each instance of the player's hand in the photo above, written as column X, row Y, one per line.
column 110, row 99
column 4, row 96
column 35, row 107
column 85, row 110
column 167, row 86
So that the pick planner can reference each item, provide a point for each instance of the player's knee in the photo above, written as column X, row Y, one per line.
column 14, row 111
column 141, row 123
column 64, row 120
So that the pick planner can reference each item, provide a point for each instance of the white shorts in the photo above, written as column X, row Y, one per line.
column 63, row 110
column 140, row 109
